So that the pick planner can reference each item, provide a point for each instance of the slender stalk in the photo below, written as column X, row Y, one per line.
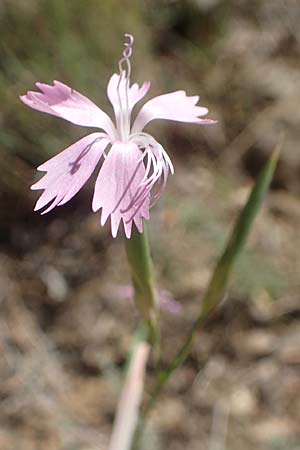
column 220, row 277
column 140, row 263
column 131, row 395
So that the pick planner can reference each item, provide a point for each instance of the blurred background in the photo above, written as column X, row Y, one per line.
column 65, row 322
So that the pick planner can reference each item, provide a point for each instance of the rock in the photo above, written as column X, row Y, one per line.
column 171, row 415
column 55, row 282
column 243, row 402
column 262, row 307
column 256, row 343
column 273, row 428
column 289, row 350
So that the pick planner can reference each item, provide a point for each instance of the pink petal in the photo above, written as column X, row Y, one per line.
column 68, row 171
column 174, row 106
column 135, row 93
column 118, row 182
column 62, row 101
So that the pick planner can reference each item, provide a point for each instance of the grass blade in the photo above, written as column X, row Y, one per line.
column 221, row 275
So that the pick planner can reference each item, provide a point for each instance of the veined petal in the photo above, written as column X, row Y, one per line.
column 118, row 182
column 68, row 171
column 62, row 101
column 174, row 106
column 135, row 93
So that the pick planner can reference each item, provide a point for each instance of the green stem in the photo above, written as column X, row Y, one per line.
column 140, row 264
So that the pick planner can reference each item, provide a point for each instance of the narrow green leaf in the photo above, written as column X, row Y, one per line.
column 220, row 277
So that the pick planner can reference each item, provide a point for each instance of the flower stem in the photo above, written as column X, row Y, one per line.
column 140, row 264
column 126, row 417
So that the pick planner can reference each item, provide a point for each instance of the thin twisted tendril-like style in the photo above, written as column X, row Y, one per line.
column 127, row 52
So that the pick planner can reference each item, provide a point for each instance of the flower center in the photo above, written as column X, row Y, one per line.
column 123, row 87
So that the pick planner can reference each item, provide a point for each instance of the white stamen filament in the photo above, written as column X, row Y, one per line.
column 145, row 137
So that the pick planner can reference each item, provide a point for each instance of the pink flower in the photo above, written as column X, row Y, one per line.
column 133, row 161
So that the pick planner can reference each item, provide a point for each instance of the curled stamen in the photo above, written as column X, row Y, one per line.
column 160, row 187
column 154, row 176
column 127, row 52
column 148, row 165
column 128, row 46
column 151, row 163
column 145, row 137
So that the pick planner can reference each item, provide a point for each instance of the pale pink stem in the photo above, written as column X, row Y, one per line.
column 130, row 399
